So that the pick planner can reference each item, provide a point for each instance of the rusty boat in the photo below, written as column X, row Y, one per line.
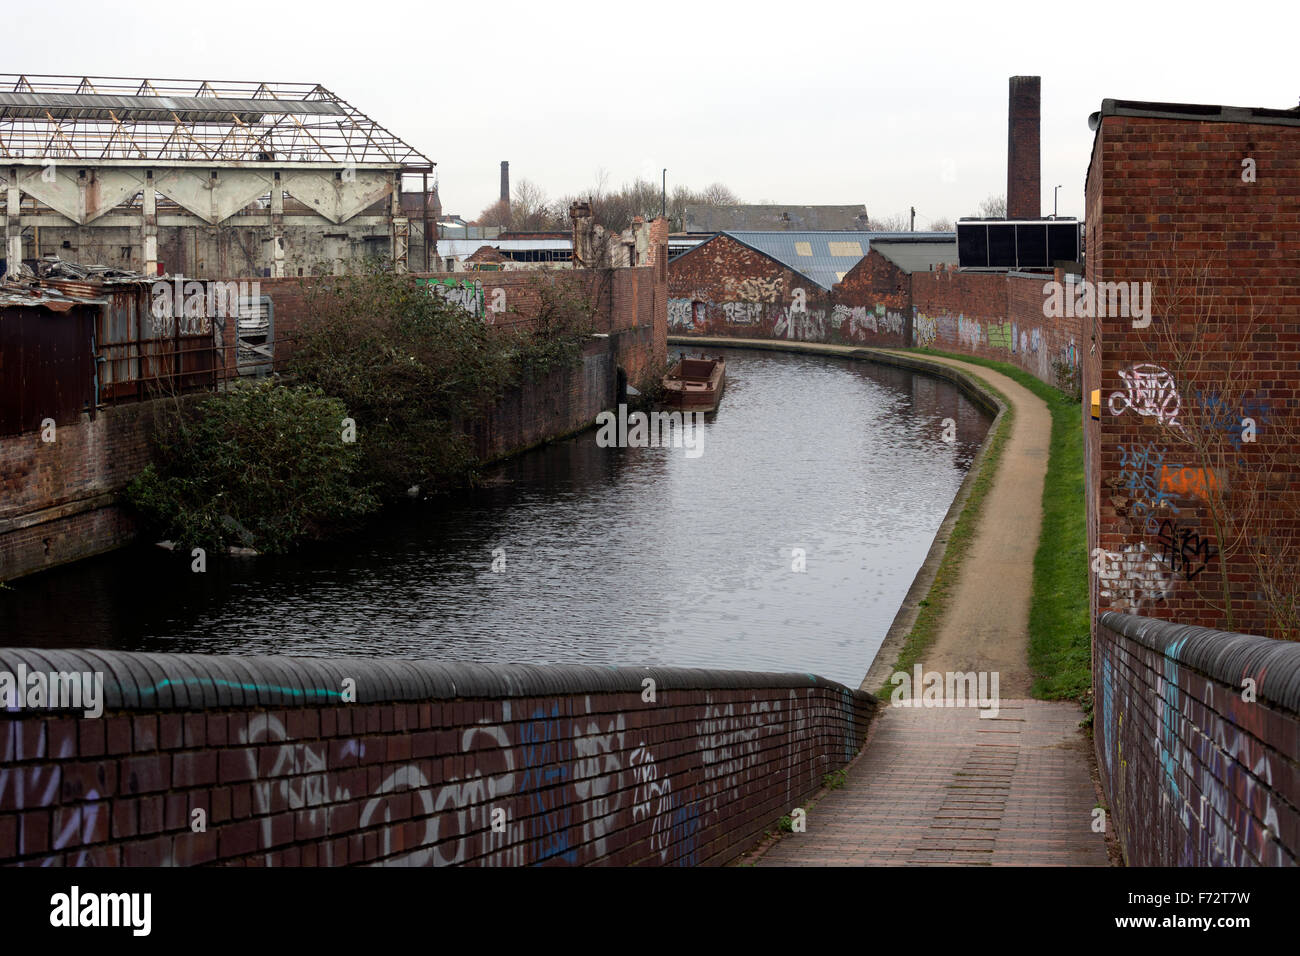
column 695, row 384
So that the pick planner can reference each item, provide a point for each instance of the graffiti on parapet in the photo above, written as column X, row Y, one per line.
column 969, row 332
column 1132, row 578
column 1183, row 550
column 546, row 767
column 466, row 293
column 1141, row 468
column 1150, row 391
column 576, row 778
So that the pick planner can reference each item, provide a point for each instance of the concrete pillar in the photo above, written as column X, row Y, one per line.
column 13, row 226
column 401, row 227
column 277, row 227
column 149, row 226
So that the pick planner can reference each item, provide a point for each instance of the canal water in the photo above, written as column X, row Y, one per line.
column 611, row 555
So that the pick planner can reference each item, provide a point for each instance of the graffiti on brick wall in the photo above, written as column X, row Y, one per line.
column 969, row 332
column 804, row 325
column 1141, row 468
column 756, row 290
column 1183, row 550
column 855, row 322
column 573, row 779
column 1218, row 415
column 925, row 330
column 679, row 314
column 466, row 293
column 1150, row 392
column 1002, row 336
column 888, row 321
column 743, row 313
column 1189, row 482
column 1132, row 578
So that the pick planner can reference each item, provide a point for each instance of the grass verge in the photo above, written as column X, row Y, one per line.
column 1059, row 651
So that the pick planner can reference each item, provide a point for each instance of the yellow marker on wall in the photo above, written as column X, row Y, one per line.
column 1096, row 404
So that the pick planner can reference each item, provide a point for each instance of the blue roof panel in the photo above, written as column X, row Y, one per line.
column 824, row 257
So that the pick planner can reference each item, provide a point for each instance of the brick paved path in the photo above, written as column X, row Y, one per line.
column 945, row 786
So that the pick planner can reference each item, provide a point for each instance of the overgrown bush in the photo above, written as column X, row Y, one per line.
column 412, row 368
column 262, row 465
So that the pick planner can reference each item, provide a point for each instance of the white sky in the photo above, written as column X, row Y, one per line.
column 813, row 102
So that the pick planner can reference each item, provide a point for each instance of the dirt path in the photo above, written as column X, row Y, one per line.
column 986, row 623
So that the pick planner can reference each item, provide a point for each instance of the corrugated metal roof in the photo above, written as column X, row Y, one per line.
column 920, row 256
column 824, row 257
column 56, row 300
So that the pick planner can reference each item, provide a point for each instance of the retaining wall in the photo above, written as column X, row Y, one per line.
column 582, row 766
column 1195, row 774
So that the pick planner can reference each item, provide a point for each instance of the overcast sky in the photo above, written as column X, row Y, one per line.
column 890, row 105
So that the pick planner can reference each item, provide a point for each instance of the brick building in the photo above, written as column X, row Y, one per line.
column 810, row 286
column 1193, row 498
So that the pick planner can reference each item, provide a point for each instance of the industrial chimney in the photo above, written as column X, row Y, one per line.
column 1024, row 186
column 505, row 182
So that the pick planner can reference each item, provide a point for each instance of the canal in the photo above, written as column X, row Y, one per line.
column 611, row 555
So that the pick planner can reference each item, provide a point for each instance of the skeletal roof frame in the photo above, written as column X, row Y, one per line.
column 124, row 121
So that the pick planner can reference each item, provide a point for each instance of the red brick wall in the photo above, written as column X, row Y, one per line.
column 55, row 497
column 1167, row 204
column 996, row 316
column 584, row 767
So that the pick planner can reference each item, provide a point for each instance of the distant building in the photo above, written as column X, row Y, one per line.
column 847, row 286
column 208, row 179
column 704, row 218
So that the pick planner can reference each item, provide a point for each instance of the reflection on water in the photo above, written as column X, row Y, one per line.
column 619, row 556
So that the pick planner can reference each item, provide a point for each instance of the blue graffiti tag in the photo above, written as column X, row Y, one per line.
column 546, row 764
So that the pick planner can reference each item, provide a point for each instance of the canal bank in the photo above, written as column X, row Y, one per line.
column 957, row 785
column 1003, row 551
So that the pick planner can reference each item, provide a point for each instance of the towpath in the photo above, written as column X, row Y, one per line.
column 943, row 785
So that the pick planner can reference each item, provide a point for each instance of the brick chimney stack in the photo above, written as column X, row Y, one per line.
column 1024, row 176
column 505, row 182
